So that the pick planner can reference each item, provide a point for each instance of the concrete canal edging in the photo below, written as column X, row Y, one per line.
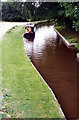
column 64, row 40
column 78, row 57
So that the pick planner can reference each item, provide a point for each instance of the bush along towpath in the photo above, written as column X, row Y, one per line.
column 28, row 96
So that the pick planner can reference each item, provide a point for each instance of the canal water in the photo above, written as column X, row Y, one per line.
column 57, row 64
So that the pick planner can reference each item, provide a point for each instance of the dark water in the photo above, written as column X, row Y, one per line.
column 57, row 65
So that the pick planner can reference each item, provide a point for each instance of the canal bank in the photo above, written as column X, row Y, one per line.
column 69, row 36
column 66, row 42
column 30, row 96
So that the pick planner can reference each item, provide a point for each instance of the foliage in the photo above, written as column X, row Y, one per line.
column 4, row 94
column 77, row 46
column 0, row 11
column 12, row 11
column 46, row 11
column 70, row 13
column 66, row 13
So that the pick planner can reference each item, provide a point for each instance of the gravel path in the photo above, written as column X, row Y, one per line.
column 5, row 26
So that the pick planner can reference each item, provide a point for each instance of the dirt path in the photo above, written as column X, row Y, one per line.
column 5, row 26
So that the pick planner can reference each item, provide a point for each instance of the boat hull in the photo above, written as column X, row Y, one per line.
column 29, row 35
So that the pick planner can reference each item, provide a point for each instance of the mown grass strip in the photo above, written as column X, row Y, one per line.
column 30, row 96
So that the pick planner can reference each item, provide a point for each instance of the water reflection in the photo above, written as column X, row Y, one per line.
column 58, row 66
column 43, row 39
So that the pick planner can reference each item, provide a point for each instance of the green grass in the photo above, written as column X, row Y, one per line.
column 30, row 96
column 71, row 39
column 70, row 35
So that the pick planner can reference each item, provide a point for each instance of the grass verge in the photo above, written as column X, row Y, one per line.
column 70, row 35
column 29, row 95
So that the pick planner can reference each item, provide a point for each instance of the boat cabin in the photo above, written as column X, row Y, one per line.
column 29, row 28
column 29, row 31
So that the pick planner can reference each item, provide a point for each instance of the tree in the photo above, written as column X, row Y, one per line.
column 66, row 13
column 70, row 14
column 13, row 11
column 0, row 11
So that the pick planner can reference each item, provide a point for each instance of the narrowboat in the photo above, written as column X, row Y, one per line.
column 29, row 32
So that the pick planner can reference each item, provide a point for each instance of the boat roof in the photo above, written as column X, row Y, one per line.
column 30, row 25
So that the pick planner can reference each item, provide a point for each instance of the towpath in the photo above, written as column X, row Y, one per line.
column 5, row 26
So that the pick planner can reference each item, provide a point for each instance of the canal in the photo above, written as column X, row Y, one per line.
column 57, row 65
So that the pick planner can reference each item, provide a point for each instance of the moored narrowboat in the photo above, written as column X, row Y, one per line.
column 29, row 32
